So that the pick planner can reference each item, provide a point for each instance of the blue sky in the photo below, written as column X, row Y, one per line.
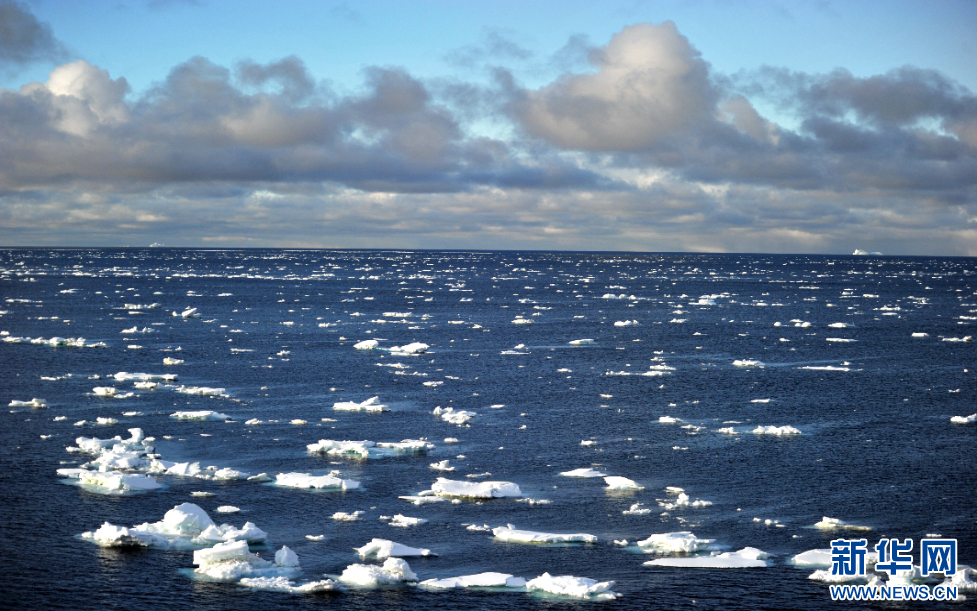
column 732, row 126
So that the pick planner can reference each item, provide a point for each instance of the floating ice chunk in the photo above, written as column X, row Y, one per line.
column 200, row 415
column 370, row 405
column 381, row 549
column 583, row 472
column 626, row 323
column 727, row 430
column 442, row 466
column 450, row 414
column 105, row 391
column 825, row 368
column 616, row 482
column 669, row 420
column 421, row 499
column 476, row 490
column 573, row 587
column 137, row 330
column 747, row 363
column 342, row 516
column 232, row 561
column 841, row 340
column 682, row 500
column 169, row 361
column 283, row 584
column 369, row 344
column 581, row 342
column 748, row 557
column 369, row 449
column 481, row 580
column 393, row 571
column 189, row 313
column 841, row 325
column 318, row 482
column 204, row 391
column 111, row 482
column 776, row 430
column 513, row 535
column 683, row 542
column 412, row 348
column 450, row 440
column 827, row 523
column 522, row 321
column 963, row 580
column 34, row 403
column 203, row 494
column 636, row 510
column 972, row 418
column 228, row 509
column 105, row 421
column 813, row 557
column 921, row 335
column 402, row 521
column 965, row 338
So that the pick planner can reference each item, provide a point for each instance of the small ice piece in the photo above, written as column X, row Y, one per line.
column 105, row 391
column 921, row 334
column 776, row 430
column 581, row 342
column 683, row 542
column 170, row 361
column 298, row 421
column 203, row 494
column 402, row 521
column 616, row 482
column 442, row 466
column 475, row 490
column 583, row 472
column 748, row 557
column 682, row 500
column 342, row 516
column 317, row 482
column 727, row 430
column 105, row 421
column 827, row 523
column 450, row 440
column 450, row 414
column 626, row 323
column 637, row 509
column 284, row 584
column 370, row 405
column 228, row 509
column 200, row 415
column 481, row 580
column 393, row 571
column 34, row 403
column 204, row 391
column 747, row 363
column 513, row 535
column 316, row 537
column 813, row 557
column 669, row 420
column 972, row 418
column 573, row 587
column 412, row 348
column 369, row 344
column 189, row 313
column 381, row 549
column 370, row 449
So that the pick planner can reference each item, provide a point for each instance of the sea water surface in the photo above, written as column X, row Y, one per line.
column 681, row 346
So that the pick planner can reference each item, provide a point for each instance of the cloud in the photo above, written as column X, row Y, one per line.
column 24, row 39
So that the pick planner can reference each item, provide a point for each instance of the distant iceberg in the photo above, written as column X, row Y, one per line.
column 862, row 253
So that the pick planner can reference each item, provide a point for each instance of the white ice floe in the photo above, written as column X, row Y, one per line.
column 412, row 348
column 34, row 403
column 393, row 571
column 369, row 344
column 185, row 526
column 514, row 535
column 203, row 391
column 776, row 430
column 972, row 418
column 841, row 340
column 105, row 421
column 232, row 561
column 369, row 449
column 921, row 335
column 965, row 338
column 683, row 500
column 573, row 587
column 450, row 414
column 124, row 376
column 284, row 584
column 616, row 482
column 134, row 330
column 747, row 363
column 626, row 323
column 170, row 361
column 381, row 549
column 841, row 325
column 342, row 516
column 583, row 472
column 111, row 482
column 727, row 430
column 370, row 405
column 402, row 521
column 188, row 313
column 475, row 490
column 228, row 509
column 442, row 466
column 200, row 415
column 748, row 557
column 669, row 420
column 827, row 523
column 481, row 580
column 522, row 321
column 683, row 542
column 104, row 391
column 581, row 342
column 637, row 509
column 317, row 482
column 813, row 557
column 825, row 368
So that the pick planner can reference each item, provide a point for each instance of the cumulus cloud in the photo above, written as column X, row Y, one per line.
column 24, row 39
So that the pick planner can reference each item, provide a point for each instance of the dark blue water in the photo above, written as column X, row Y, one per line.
column 877, row 447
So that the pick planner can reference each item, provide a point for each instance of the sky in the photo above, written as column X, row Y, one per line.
column 757, row 126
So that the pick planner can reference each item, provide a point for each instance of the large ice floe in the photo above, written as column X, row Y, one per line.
column 381, row 549
column 315, row 482
column 394, row 571
column 107, row 472
column 972, row 418
column 370, row 405
column 748, row 557
column 370, row 449
column 474, row 490
column 513, row 535
column 481, row 580
column 683, row 542
column 573, row 587
column 583, row 472
column 186, row 526
column 200, row 415
column 232, row 561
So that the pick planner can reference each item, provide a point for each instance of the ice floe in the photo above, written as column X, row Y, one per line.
column 683, row 500
column 573, row 587
column 402, row 521
column 637, row 509
column 200, row 415
column 369, row 344
column 626, row 323
column 748, row 557
column 33, row 403
column 747, row 363
column 450, row 414
column 583, row 472
column 370, row 405
column 813, row 557
column 514, row 535
column 124, row 376
column 381, row 549
column 776, row 430
column 186, row 526
column 369, row 449
column 342, row 516
column 412, row 348
column 616, row 482
column 474, row 490
column 480, row 580
column 827, row 523
column 232, row 561
column 284, row 584
column 317, row 482
column 972, row 418
column 581, row 342
column 683, row 542
column 393, row 571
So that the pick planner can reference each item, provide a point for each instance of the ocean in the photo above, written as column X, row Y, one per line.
column 745, row 398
